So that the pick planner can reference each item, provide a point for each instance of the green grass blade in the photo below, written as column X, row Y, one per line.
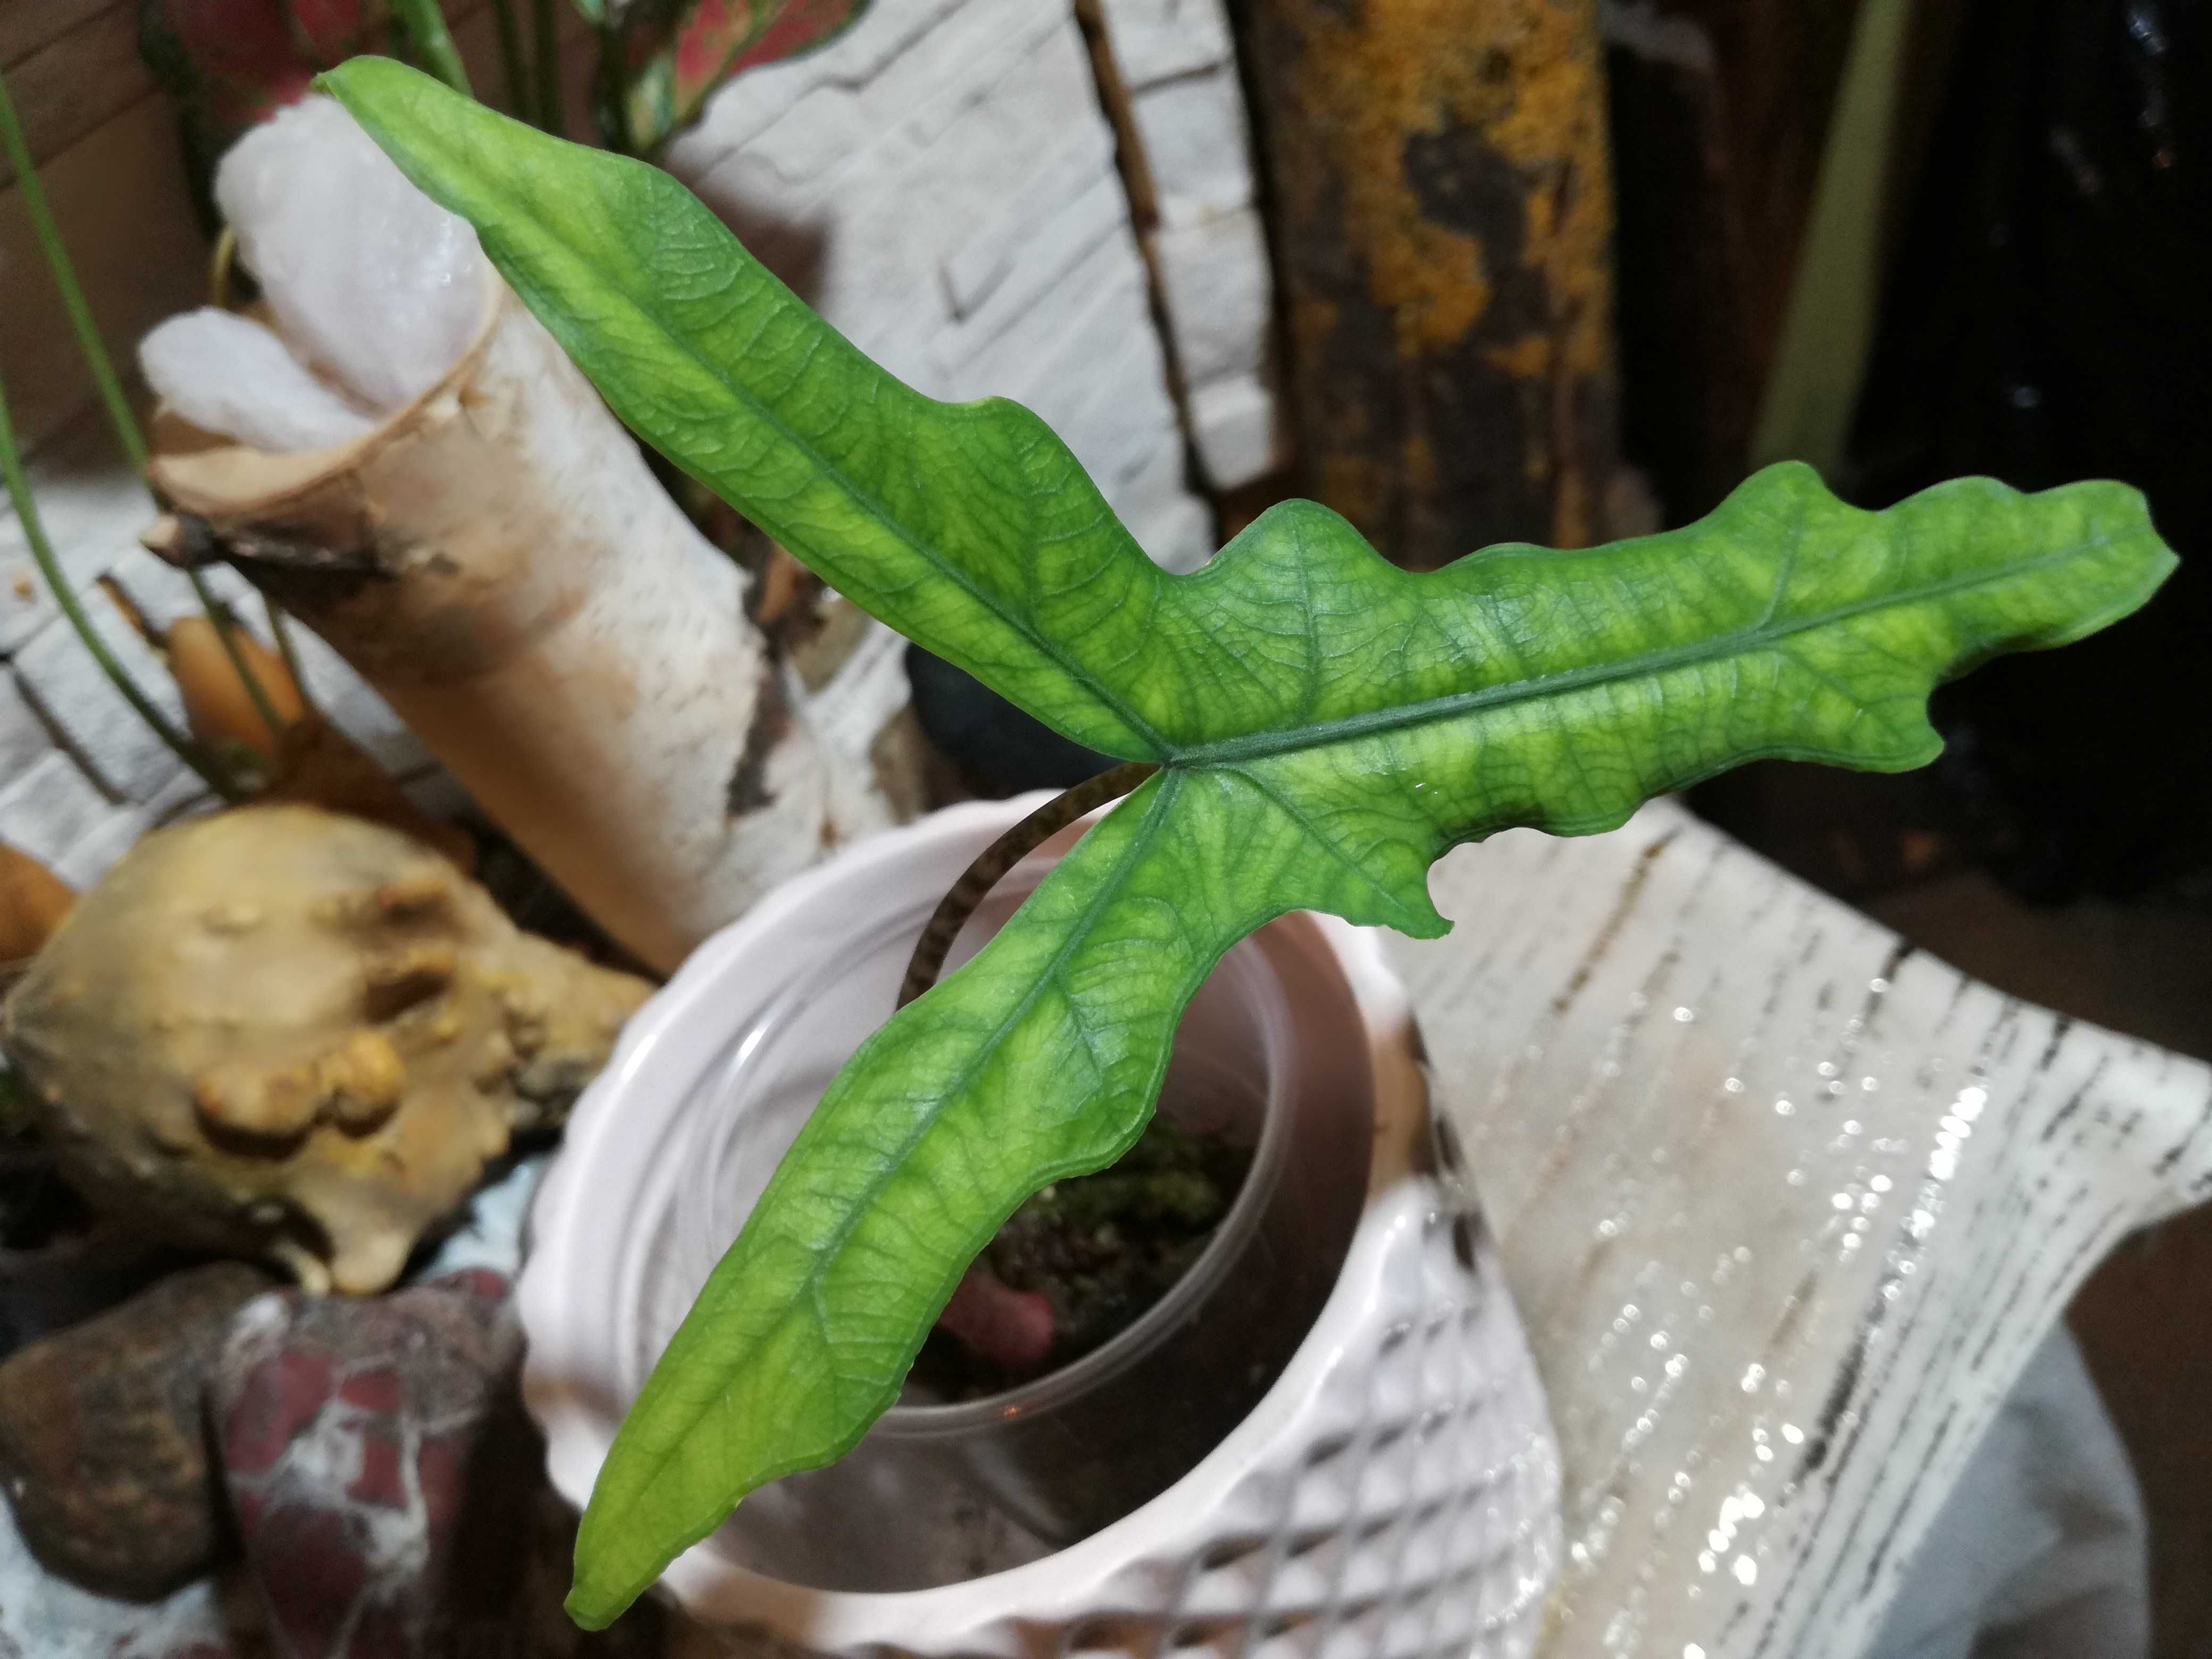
column 81, row 323
column 42, row 552
column 424, row 25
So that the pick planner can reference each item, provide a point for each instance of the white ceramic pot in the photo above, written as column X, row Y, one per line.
column 1328, row 1439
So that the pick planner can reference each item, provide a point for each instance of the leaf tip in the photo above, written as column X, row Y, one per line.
column 356, row 73
column 593, row 1603
column 372, row 87
column 585, row 1613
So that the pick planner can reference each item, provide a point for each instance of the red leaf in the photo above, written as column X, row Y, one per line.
column 712, row 40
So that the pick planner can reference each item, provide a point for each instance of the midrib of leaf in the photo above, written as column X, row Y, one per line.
column 807, row 1291
column 1754, row 636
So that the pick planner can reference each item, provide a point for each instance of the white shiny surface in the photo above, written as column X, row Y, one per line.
column 1785, row 1207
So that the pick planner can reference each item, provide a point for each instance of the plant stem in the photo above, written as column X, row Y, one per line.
column 221, row 259
column 34, row 534
column 225, row 631
column 546, row 14
column 1001, row 855
column 425, row 26
column 514, row 73
column 280, row 629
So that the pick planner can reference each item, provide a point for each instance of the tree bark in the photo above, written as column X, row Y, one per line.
column 1443, row 211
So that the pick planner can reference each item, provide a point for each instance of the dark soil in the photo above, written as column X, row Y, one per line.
column 1100, row 1248
column 37, row 1207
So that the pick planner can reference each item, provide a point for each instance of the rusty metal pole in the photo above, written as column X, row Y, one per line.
column 1443, row 216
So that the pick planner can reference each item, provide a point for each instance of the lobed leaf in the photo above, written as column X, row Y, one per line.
column 1327, row 724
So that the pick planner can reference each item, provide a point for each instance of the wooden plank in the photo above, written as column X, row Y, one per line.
column 1720, row 110
column 119, row 197
column 27, row 24
column 119, row 193
column 73, row 64
column 67, row 87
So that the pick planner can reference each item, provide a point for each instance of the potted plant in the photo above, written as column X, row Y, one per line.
column 1306, row 728
column 1217, row 1461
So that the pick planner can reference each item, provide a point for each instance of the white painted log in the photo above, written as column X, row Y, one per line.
column 498, row 562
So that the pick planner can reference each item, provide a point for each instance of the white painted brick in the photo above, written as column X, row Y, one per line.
column 938, row 183
column 92, row 507
column 1220, row 294
column 818, row 131
column 1156, row 40
column 1116, row 410
column 351, row 704
column 1178, row 58
column 185, row 795
column 1180, row 538
column 59, row 675
column 1097, row 219
column 1158, row 480
column 24, row 738
column 52, row 809
column 160, row 591
column 984, row 260
column 1194, row 134
column 978, row 58
column 853, row 59
column 92, row 856
column 1046, row 358
column 1238, row 429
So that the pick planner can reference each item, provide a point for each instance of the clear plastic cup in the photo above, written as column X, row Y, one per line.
column 1271, row 1054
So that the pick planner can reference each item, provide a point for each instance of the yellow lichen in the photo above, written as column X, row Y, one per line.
column 1523, row 78
column 1524, row 75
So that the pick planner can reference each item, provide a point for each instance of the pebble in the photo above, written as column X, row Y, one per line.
column 101, row 1446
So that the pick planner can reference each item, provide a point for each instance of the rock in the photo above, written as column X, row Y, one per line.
column 285, row 1032
column 389, row 1490
column 100, row 1441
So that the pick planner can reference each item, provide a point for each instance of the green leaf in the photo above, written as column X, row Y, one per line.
column 1327, row 726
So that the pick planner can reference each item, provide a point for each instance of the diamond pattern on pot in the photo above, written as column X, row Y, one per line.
column 1414, row 1516
column 1396, row 1496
